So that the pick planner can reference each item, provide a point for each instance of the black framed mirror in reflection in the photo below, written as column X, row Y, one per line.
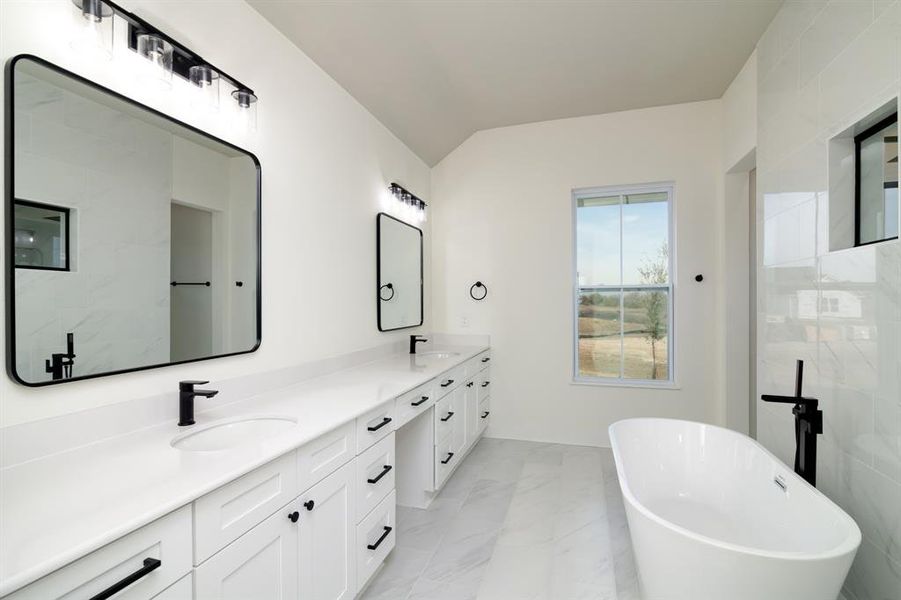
column 399, row 274
column 132, row 240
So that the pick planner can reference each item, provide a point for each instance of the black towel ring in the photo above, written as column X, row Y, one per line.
column 478, row 284
column 390, row 288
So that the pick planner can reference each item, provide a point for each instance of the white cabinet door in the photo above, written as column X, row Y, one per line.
column 261, row 564
column 327, row 520
column 471, row 403
column 459, row 425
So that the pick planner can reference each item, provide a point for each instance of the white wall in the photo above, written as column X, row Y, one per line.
column 733, row 288
column 823, row 66
column 740, row 115
column 502, row 213
column 325, row 162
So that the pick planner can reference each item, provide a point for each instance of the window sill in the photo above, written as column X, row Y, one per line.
column 617, row 383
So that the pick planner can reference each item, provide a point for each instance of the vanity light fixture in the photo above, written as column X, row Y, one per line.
column 247, row 109
column 159, row 52
column 206, row 83
column 95, row 35
column 412, row 208
column 167, row 56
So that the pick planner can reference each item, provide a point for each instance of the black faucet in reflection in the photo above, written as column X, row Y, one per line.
column 416, row 339
column 60, row 364
column 808, row 424
column 186, row 395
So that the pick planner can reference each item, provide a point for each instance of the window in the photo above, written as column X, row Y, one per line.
column 41, row 236
column 623, row 288
column 876, row 182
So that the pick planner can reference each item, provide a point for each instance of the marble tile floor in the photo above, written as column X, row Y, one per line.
column 516, row 521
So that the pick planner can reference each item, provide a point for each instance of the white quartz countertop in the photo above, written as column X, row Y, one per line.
column 57, row 509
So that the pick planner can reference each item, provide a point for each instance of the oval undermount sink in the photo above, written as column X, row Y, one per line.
column 438, row 354
column 231, row 433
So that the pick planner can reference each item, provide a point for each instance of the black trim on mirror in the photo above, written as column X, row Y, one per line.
column 378, row 274
column 9, row 243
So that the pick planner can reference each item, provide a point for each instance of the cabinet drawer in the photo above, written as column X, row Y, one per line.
column 484, row 384
column 183, row 589
column 375, row 475
column 446, row 458
column 484, row 414
column 484, row 359
column 375, row 539
column 166, row 540
column 374, row 425
column 261, row 564
column 450, row 380
column 414, row 403
column 324, row 455
column 448, row 412
column 224, row 514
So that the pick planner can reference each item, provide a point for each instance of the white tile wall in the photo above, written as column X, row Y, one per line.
column 116, row 298
column 822, row 66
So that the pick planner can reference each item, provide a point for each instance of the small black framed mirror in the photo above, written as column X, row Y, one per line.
column 399, row 266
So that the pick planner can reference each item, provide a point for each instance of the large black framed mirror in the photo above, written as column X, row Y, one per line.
column 399, row 274
column 132, row 239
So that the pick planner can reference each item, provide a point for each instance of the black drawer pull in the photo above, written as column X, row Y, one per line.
column 485, row 414
column 381, row 539
column 294, row 516
column 380, row 475
column 384, row 422
column 420, row 401
column 448, row 417
column 485, row 383
column 470, row 384
column 450, row 455
column 309, row 504
column 150, row 564
column 486, row 359
column 447, row 383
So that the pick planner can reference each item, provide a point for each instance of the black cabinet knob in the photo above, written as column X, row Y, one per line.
column 309, row 504
column 294, row 516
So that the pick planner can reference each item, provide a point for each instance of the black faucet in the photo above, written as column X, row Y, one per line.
column 186, row 395
column 60, row 364
column 808, row 424
column 416, row 339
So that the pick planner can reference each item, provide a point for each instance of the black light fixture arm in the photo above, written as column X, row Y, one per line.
column 183, row 57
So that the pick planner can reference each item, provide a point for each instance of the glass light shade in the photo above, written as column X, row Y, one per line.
column 94, row 34
column 206, row 82
column 246, row 110
column 159, row 54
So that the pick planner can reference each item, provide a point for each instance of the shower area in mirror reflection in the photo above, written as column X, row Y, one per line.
column 100, row 193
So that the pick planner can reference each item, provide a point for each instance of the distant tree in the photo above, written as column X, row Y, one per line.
column 655, row 271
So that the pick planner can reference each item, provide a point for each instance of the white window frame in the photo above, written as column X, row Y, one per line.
column 621, row 190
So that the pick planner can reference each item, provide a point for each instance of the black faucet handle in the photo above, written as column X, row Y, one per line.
column 188, row 385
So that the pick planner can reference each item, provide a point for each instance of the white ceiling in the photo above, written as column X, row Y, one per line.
column 436, row 71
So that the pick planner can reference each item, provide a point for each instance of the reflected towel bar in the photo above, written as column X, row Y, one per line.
column 176, row 283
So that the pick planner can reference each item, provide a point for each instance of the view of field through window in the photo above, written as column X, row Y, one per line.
column 623, row 298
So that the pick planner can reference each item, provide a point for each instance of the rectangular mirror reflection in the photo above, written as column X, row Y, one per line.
column 134, row 238
column 399, row 274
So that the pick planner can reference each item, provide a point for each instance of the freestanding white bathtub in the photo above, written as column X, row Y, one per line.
column 714, row 516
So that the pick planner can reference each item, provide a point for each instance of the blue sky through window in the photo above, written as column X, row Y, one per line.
column 645, row 228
